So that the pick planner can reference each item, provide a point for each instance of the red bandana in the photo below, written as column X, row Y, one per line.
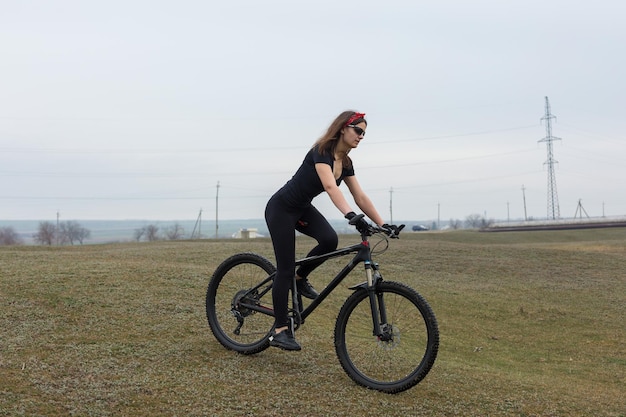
column 354, row 117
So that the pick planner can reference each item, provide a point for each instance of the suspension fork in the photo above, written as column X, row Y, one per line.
column 377, row 302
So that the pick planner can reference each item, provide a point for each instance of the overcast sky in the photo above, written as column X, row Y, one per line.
column 137, row 109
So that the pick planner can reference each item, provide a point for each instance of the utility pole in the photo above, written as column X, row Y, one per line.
column 217, row 194
column 391, row 205
column 197, row 226
column 580, row 210
column 553, row 198
column 524, row 196
column 438, row 216
column 57, row 231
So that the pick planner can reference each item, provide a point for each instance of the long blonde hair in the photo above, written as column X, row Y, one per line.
column 328, row 142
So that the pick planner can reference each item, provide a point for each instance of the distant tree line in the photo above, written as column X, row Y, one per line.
column 476, row 221
column 150, row 233
column 8, row 236
column 71, row 232
column 68, row 232
column 473, row 221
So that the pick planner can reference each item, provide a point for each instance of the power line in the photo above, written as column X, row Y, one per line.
column 381, row 141
column 484, row 132
column 118, row 174
column 453, row 182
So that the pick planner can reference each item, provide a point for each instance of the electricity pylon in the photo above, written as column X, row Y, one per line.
column 553, row 197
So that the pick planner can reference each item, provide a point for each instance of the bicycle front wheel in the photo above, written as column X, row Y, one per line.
column 401, row 353
column 239, row 303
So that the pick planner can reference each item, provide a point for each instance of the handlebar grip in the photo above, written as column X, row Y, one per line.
column 395, row 234
column 355, row 219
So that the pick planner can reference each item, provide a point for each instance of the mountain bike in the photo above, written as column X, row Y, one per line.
column 386, row 335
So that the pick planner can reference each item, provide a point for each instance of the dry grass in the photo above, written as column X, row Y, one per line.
column 531, row 325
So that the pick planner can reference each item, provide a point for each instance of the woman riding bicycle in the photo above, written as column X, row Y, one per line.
column 325, row 166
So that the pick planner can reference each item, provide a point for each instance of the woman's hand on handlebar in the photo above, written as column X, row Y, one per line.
column 359, row 222
column 392, row 230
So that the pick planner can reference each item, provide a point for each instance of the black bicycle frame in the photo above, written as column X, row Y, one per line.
column 362, row 254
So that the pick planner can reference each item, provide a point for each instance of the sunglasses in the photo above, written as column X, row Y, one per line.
column 357, row 130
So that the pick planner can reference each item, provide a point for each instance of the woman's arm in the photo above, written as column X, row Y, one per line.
column 330, row 186
column 362, row 200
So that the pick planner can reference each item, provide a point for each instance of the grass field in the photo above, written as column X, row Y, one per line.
column 532, row 324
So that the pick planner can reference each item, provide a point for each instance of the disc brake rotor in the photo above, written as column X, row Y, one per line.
column 391, row 337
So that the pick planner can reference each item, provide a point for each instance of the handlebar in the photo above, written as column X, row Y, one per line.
column 372, row 229
column 393, row 234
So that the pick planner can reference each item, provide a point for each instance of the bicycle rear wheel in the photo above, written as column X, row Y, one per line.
column 404, row 355
column 239, row 303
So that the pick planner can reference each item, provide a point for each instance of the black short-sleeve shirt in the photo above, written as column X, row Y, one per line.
column 305, row 185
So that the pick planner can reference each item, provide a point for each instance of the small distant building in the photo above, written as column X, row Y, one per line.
column 251, row 233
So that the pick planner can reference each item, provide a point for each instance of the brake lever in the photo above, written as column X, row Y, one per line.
column 395, row 234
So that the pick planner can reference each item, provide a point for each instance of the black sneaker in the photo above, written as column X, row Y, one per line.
column 305, row 289
column 284, row 340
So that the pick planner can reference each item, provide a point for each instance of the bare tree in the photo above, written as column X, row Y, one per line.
column 83, row 234
column 152, row 233
column 46, row 233
column 8, row 236
column 149, row 232
column 454, row 224
column 473, row 221
column 138, row 233
column 71, row 231
column 175, row 232
column 476, row 221
column 486, row 223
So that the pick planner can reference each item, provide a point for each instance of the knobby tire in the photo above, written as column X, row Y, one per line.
column 234, row 277
column 393, row 365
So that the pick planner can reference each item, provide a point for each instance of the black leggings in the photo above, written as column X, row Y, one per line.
column 282, row 222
